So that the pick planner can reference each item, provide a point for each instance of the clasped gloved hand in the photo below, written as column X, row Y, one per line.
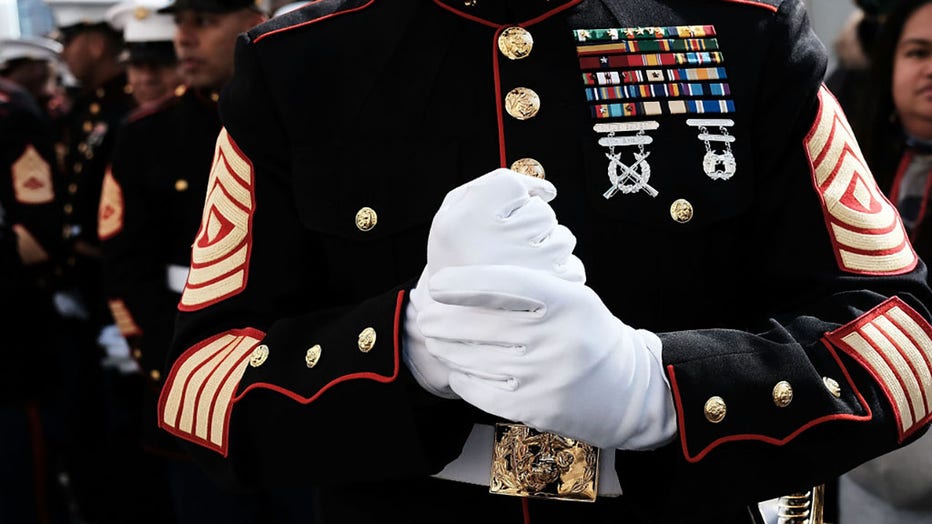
column 531, row 347
column 499, row 218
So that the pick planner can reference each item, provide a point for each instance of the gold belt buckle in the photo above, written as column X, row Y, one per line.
column 531, row 463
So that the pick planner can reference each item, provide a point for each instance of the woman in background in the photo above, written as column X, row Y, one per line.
column 894, row 128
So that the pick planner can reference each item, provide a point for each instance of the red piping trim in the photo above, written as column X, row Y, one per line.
column 925, row 205
column 499, row 110
column 900, row 172
column 345, row 378
column 677, row 398
column 309, row 22
column 467, row 15
column 39, row 468
column 755, row 4
column 496, row 71
column 526, row 510
column 526, row 23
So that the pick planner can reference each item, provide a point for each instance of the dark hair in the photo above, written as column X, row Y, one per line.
column 874, row 121
column 113, row 37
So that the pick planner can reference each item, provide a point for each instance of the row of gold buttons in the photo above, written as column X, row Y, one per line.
column 715, row 407
column 365, row 343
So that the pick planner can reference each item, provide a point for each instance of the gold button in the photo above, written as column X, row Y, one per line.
column 522, row 103
column 78, row 167
column 100, row 93
column 782, row 394
column 215, row 96
column 68, row 208
column 94, row 108
column 72, row 188
column 312, row 356
column 715, row 410
column 128, row 89
column 181, row 184
column 366, row 340
column 141, row 13
column 259, row 356
column 515, row 42
column 155, row 375
column 180, row 90
column 366, row 219
column 88, row 126
column 832, row 386
column 137, row 354
column 681, row 211
column 89, row 154
column 82, row 147
column 470, row 3
column 529, row 167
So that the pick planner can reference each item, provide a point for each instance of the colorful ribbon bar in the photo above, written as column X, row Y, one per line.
column 657, row 59
column 701, row 106
column 601, row 111
column 642, row 46
column 649, row 91
column 639, row 76
column 637, row 33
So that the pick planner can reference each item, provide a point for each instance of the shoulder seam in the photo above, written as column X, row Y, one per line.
column 755, row 3
column 141, row 112
column 315, row 20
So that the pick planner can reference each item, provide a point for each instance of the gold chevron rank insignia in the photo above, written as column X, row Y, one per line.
column 32, row 178
column 110, row 210
column 221, row 250
column 123, row 318
column 197, row 399
column 894, row 344
column 867, row 232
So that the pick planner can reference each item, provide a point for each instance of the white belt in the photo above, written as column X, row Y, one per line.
column 474, row 465
column 176, row 276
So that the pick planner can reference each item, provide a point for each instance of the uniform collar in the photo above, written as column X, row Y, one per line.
column 922, row 147
column 203, row 95
column 498, row 13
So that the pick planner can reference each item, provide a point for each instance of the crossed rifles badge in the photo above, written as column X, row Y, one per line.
column 627, row 178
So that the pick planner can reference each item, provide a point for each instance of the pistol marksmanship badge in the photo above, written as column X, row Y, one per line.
column 627, row 178
column 718, row 165
column 530, row 463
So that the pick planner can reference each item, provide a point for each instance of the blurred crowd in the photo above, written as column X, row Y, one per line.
column 107, row 132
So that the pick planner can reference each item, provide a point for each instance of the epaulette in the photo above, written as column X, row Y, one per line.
column 156, row 106
column 312, row 12
column 771, row 5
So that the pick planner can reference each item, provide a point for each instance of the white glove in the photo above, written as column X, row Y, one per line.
column 531, row 347
column 117, row 351
column 69, row 304
column 429, row 372
column 502, row 217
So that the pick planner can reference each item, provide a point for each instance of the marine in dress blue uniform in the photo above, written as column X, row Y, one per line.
column 717, row 198
column 30, row 242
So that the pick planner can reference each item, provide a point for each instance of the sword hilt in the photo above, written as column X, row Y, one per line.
column 802, row 507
